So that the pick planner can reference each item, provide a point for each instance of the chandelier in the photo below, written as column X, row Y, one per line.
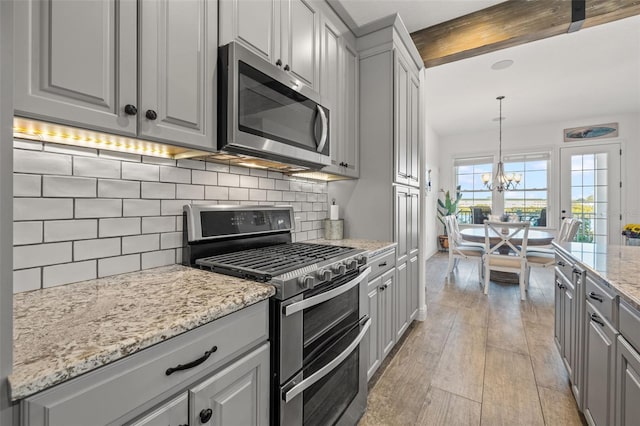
column 501, row 181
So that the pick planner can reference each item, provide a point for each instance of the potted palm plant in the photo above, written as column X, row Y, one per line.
column 448, row 205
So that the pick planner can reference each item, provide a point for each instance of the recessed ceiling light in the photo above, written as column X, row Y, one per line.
column 500, row 65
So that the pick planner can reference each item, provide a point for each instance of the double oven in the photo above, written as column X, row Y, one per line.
column 319, row 319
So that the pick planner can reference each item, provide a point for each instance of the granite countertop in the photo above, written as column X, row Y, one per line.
column 373, row 247
column 62, row 332
column 617, row 265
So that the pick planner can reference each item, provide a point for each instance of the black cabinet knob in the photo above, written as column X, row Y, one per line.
column 205, row 415
column 151, row 114
column 279, row 63
column 130, row 109
column 286, row 67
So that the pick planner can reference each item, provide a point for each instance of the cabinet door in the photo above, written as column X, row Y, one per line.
column 628, row 384
column 599, row 365
column 75, row 62
column 402, row 208
column 374, row 287
column 172, row 413
column 414, row 221
column 401, row 118
column 413, row 288
column 237, row 395
column 349, row 117
column 413, row 159
column 330, row 88
column 402, row 297
column 253, row 23
column 178, row 54
column 558, row 319
column 568, row 326
column 386, row 309
column 300, row 22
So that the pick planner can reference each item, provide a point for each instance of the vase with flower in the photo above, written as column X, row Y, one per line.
column 632, row 233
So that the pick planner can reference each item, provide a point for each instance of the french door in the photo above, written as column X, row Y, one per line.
column 590, row 190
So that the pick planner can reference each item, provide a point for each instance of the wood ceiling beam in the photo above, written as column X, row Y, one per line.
column 509, row 24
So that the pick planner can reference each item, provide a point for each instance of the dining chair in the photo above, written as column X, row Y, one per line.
column 495, row 258
column 546, row 257
column 459, row 248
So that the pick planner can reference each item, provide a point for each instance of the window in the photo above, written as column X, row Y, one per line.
column 529, row 201
column 475, row 203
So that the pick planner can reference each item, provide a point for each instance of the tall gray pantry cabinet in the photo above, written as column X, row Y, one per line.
column 383, row 204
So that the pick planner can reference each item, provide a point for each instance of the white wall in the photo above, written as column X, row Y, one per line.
column 433, row 228
column 549, row 137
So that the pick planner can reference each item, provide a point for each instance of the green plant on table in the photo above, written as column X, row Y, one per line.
column 448, row 206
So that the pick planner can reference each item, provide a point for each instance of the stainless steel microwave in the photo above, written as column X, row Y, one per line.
column 265, row 112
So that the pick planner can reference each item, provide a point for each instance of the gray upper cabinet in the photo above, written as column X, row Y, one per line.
column 407, row 94
column 77, row 64
column 330, row 83
column 350, row 143
column 283, row 32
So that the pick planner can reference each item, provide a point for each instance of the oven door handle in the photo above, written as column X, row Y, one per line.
column 309, row 381
column 323, row 297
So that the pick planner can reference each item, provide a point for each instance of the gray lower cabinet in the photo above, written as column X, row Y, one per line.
column 96, row 65
column 599, row 367
column 141, row 389
column 401, row 320
column 627, row 384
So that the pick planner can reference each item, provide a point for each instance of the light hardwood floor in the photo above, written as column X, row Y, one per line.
column 476, row 360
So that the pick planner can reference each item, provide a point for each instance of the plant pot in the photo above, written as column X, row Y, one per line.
column 444, row 241
column 633, row 241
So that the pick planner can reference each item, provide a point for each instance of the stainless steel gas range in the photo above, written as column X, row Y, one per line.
column 319, row 317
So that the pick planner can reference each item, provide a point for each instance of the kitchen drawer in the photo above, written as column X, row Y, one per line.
column 602, row 298
column 630, row 324
column 139, row 381
column 565, row 266
column 382, row 263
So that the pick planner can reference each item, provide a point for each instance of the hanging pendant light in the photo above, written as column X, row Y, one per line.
column 501, row 181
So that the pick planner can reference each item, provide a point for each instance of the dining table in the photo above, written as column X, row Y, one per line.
column 535, row 238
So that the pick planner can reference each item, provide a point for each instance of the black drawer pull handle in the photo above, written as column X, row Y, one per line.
column 577, row 271
column 205, row 415
column 595, row 296
column 560, row 263
column 380, row 265
column 597, row 320
column 381, row 288
column 191, row 364
column 560, row 285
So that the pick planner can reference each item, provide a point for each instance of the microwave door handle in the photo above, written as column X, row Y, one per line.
column 325, row 129
column 300, row 387
column 323, row 297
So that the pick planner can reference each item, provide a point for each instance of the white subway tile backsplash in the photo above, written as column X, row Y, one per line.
column 41, row 254
column 70, row 149
column 140, row 243
column 68, row 273
column 258, row 195
column 68, row 186
column 200, row 177
column 159, row 161
column 42, row 208
column 266, row 183
column 248, row 181
column 140, row 171
column 259, row 173
column 159, row 224
column 96, row 167
column 175, row 174
column 24, row 144
column 275, row 175
column 70, row 230
column 27, row 185
column 226, row 179
column 239, row 170
column 27, row 233
column 98, row 207
column 216, row 193
column 172, row 207
column 121, row 156
column 93, row 249
column 140, row 207
column 217, row 167
column 161, row 191
column 158, row 258
column 27, row 280
column 301, row 196
column 192, row 192
column 118, row 265
column 192, row 164
column 118, row 227
column 179, row 223
column 283, row 185
column 170, row 240
column 288, row 196
column 238, row 194
column 41, row 162
column 111, row 188
column 274, row 196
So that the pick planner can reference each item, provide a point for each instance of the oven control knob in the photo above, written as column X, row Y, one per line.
column 306, row 282
column 339, row 269
column 352, row 264
column 324, row 274
column 362, row 260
